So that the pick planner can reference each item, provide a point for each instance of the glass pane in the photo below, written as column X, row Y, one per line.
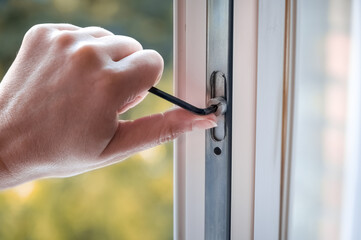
column 324, row 113
column 129, row 200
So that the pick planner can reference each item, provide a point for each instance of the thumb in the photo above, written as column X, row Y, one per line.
column 146, row 132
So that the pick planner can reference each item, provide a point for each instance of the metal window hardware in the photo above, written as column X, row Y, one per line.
column 219, row 139
column 218, row 94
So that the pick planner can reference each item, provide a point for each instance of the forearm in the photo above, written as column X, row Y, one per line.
column 5, row 176
column 11, row 177
column 12, row 168
column 7, row 179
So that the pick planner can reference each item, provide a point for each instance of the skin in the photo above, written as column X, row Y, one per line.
column 60, row 101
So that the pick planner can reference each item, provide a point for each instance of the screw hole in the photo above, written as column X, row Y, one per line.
column 217, row 151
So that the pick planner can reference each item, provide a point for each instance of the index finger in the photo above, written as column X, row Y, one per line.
column 136, row 73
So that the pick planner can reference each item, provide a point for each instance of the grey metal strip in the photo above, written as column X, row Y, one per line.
column 218, row 150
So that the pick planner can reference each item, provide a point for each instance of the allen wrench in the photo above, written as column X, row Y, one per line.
column 179, row 102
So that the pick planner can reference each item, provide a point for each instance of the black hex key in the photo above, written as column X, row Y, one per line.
column 183, row 104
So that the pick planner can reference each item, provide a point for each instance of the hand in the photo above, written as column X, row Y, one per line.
column 60, row 100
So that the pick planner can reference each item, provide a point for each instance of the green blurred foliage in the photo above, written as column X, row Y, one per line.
column 129, row 200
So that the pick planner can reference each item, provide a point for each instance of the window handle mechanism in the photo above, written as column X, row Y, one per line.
column 216, row 104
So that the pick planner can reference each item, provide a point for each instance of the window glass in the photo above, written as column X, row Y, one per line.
column 320, row 164
column 129, row 200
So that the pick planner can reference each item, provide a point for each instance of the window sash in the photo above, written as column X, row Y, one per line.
column 257, row 92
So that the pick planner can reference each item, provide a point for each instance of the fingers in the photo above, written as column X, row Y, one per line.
column 133, row 70
column 119, row 47
column 136, row 73
column 116, row 46
column 96, row 32
column 92, row 31
column 132, row 103
column 134, row 136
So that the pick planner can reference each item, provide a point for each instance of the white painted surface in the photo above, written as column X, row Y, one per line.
column 244, row 118
column 271, row 25
column 255, row 104
column 190, row 82
column 351, row 208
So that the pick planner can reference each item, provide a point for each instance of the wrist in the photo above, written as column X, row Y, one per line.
column 5, row 175
column 10, row 169
column 7, row 178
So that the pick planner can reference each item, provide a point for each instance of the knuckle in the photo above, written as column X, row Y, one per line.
column 87, row 52
column 173, row 133
column 96, row 28
column 38, row 31
column 154, row 65
column 168, row 132
column 155, row 60
column 168, row 135
column 134, row 43
column 64, row 39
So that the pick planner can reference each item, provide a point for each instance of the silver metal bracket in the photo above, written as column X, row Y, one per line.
column 219, row 139
column 219, row 98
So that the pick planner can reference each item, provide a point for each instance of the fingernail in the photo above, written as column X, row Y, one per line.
column 203, row 124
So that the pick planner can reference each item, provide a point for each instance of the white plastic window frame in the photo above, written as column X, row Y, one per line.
column 258, row 156
column 351, row 209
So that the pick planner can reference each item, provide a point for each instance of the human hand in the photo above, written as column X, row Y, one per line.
column 60, row 100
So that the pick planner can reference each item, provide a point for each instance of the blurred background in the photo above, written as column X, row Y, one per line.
column 133, row 199
column 326, row 164
column 130, row 200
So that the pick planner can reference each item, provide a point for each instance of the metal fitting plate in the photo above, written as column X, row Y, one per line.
column 219, row 98
column 219, row 139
